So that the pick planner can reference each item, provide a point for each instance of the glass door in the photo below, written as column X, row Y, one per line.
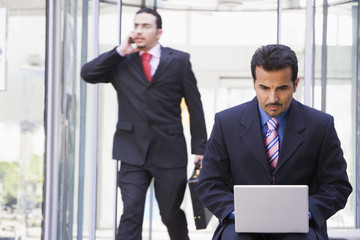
column 22, row 68
column 336, row 39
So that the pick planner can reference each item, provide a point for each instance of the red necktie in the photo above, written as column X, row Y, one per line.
column 272, row 144
column 145, row 58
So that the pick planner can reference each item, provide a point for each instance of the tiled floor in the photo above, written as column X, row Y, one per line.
column 344, row 234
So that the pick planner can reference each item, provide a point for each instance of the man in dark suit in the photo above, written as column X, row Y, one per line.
column 305, row 149
column 149, row 139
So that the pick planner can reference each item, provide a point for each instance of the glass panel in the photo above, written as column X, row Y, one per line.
column 22, row 119
column 85, row 176
column 341, row 93
column 319, row 21
column 3, row 47
column 337, row 61
column 294, row 37
column 106, row 182
column 68, row 171
column 107, row 105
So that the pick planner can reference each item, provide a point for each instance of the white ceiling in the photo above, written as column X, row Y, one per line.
column 25, row 7
column 223, row 4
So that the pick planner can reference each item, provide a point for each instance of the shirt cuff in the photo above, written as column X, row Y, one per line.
column 119, row 52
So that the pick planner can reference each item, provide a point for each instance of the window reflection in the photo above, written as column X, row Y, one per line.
column 21, row 158
column 21, row 124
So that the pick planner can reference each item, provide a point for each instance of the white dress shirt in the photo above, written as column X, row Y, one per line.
column 155, row 57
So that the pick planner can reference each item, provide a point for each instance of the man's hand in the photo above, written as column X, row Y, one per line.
column 198, row 158
column 125, row 46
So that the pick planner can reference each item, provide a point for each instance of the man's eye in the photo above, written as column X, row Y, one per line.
column 284, row 88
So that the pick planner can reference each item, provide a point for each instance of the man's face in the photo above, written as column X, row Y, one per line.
column 274, row 90
column 145, row 33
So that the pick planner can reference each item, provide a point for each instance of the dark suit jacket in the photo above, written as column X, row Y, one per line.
column 149, row 114
column 310, row 154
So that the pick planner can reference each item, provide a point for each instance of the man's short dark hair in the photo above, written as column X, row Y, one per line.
column 153, row 12
column 274, row 57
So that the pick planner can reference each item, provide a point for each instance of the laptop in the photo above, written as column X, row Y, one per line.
column 271, row 208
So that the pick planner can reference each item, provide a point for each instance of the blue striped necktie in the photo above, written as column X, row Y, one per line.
column 272, row 145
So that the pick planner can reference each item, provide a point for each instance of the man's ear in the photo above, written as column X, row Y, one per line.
column 159, row 33
column 296, row 84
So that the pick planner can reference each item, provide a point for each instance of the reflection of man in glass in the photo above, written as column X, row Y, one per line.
column 149, row 137
column 305, row 149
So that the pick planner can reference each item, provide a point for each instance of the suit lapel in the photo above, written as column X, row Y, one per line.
column 165, row 59
column 252, row 133
column 292, row 136
column 136, row 64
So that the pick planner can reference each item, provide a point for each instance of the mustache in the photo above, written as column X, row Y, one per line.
column 273, row 104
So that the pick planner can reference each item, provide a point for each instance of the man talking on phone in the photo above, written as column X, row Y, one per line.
column 150, row 81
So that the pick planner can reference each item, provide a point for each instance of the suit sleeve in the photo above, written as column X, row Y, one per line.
column 196, row 112
column 101, row 68
column 333, row 187
column 215, row 187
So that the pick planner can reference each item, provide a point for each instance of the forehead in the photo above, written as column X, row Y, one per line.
column 277, row 77
column 145, row 18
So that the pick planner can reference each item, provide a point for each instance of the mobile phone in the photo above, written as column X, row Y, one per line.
column 132, row 43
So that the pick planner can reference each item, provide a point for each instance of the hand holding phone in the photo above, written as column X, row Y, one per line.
column 131, row 40
column 127, row 47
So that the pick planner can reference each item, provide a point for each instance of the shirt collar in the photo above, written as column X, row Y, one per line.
column 155, row 51
column 264, row 117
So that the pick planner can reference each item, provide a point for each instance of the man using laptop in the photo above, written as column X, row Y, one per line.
column 274, row 139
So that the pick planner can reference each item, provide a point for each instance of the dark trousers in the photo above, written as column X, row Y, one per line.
column 169, row 188
column 229, row 233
